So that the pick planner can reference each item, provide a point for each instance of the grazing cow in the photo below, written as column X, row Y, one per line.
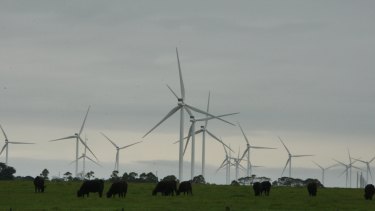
column 165, row 187
column 91, row 186
column 120, row 188
column 265, row 187
column 39, row 184
column 312, row 188
column 257, row 187
column 369, row 191
column 185, row 187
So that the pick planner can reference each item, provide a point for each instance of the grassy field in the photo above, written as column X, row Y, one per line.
column 19, row 195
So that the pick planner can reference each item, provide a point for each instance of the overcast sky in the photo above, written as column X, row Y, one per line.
column 301, row 70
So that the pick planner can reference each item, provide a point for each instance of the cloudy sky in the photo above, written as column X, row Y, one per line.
column 301, row 70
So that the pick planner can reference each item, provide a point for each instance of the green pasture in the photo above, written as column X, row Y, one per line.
column 19, row 195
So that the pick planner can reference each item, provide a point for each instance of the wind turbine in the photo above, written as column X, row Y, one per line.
column 83, row 157
column 117, row 161
column 226, row 163
column 324, row 169
column 368, row 169
column 348, row 168
column 237, row 163
column 247, row 151
column 78, row 138
column 289, row 161
column 6, row 145
column 192, row 135
column 181, row 105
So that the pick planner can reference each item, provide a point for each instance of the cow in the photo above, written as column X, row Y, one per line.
column 185, row 187
column 265, row 188
column 166, row 188
column 369, row 191
column 257, row 187
column 91, row 186
column 312, row 188
column 119, row 187
column 39, row 184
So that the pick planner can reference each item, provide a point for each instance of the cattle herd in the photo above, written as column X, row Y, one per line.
column 169, row 188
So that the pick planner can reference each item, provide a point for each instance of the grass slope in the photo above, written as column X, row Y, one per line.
column 19, row 195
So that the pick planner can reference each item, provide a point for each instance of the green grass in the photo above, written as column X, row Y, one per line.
column 19, row 195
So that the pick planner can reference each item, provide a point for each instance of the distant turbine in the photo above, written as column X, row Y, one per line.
column 368, row 169
column 78, row 138
column 226, row 163
column 247, row 151
column 192, row 135
column 289, row 161
column 324, row 169
column 83, row 157
column 348, row 169
column 181, row 105
column 117, row 161
column 237, row 163
column 6, row 145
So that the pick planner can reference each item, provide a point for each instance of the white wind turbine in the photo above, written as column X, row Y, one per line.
column 368, row 169
column 192, row 135
column 237, row 163
column 226, row 163
column 6, row 145
column 117, row 161
column 289, row 161
column 83, row 157
column 348, row 170
column 247, row 151
column 181, row 105
column 324, row 169
column 78, row 138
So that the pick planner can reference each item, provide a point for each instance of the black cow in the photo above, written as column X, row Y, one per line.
column 257, row 187
column 166, row 188
column 39, row 184
column 265, row 188
column 120, row 188
column 260, row 188
column 185, row 187
column 91, row 186
column 369, row 191
column 312, row 188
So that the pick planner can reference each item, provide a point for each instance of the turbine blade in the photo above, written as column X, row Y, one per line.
column 5, row 135
column 68, row 137
column 297, row 156
column 208, row 108
column 372, row 159
column 318, row 165
column 109, row 140
column 254, row 147
column 284, row 146
column 340, row 162
column 196, row 132
column 180, row 74
column 166, row 117
column 203, row 112
column 14, row 142
column 189, row 112
column 130, row 145
column 215, row 117
column 243, row 133
column 217, row 139
column 343, row 172
column 84, row 121
column 172, row 91
column 5, row 145
column 244, row 153
column 79, row 137
column 286, row 164
column 93, row 161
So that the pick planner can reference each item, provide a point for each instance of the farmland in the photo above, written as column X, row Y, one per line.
column 19, row 195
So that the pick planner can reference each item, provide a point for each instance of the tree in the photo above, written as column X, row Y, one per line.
column 114, row 176
column 131, row 177
column 89, row 175
column 68, row 176
column 44, row 174
column 6, row 172
column 199, row 179
column 170, row 177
